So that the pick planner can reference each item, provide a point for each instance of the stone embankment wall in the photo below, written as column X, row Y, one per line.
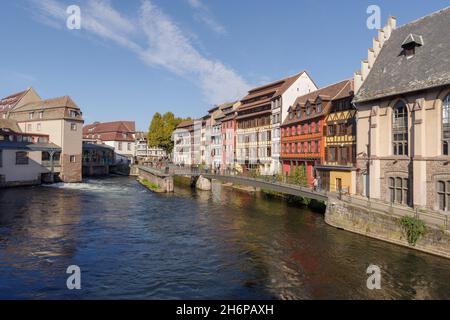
column 162, row 180
column 375, row 223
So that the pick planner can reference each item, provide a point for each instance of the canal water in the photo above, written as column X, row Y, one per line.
column 134, row 244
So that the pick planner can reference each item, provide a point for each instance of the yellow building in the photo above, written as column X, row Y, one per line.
column 338, row 171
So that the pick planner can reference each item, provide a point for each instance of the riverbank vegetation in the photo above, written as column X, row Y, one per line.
column 413, row 228
column 150, row 185
column 314, row 205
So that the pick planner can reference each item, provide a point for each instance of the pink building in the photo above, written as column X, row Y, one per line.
column 229, row 136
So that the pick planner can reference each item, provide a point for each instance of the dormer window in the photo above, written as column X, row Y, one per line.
column 319, row 106
column 308, row 110
column 410, row 44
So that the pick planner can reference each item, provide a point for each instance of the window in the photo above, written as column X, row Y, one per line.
column 400, row 129
column 446, row 125
column 72, row 114
column 30, row 116
column 319, row 107
column 330, row 130
column 73, row 159
column 41, row 114
column 443, row 195
column 30, row 127
column 129, row 146
column 399, row 190
column 331, row 154
column 38, row 127
column 119, row 146
column 73, row 126
column 21, row 158
column 309, row 147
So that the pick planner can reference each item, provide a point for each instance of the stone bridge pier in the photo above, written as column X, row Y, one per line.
column 163, row 181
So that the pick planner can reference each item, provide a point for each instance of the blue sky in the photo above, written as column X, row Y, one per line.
column 134, row 58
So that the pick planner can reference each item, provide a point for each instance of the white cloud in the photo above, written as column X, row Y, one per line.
column 204, row 15
column 165, row 45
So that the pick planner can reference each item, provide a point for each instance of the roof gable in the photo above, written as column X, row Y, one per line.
column 394, row 73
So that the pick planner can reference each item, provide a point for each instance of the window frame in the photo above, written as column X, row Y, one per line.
column 400, row 147
column 25, row 156
column 445, row 147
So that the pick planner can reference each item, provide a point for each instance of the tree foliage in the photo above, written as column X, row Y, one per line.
column 161, row 129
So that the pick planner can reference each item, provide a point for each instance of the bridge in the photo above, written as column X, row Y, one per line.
column 266, row 182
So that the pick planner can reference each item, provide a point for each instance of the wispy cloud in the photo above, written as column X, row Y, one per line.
column 164, row 45
column 204, row 15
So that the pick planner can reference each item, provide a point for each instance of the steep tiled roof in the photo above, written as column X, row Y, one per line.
column 10, row 125
column 64, row 101
column 111, row 131
column 9, row 102
column 264, row 94
column 393, row 73
column 185, row 124
column 328, row 94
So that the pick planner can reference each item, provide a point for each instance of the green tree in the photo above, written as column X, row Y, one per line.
column 161, row 129
column 155, row 132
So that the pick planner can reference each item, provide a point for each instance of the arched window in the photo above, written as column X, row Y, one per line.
column 446, row 125
column 400, row 129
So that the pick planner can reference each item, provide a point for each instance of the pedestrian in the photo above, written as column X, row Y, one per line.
column 315, row 184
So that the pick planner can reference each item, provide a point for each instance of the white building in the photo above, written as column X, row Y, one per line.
column 120, row 135
column 285, row 97
column 144, row 152
column 183, row 137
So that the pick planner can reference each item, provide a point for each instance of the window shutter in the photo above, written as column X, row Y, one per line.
column 326, row 154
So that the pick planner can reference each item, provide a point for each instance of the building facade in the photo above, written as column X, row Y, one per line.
column 183, row 137
column 143, row 152
column 26, row 159
column 337, row 172
column 97, row 159
column 404, row 117
column 259, row 117
column 303, row 132
column 59, row 118
column 119, row 134
column 292, row 88
column 229, row 137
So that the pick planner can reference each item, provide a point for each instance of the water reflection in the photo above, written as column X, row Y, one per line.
column 131, row 243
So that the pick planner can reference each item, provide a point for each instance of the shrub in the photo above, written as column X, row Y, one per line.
column 414, row 229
